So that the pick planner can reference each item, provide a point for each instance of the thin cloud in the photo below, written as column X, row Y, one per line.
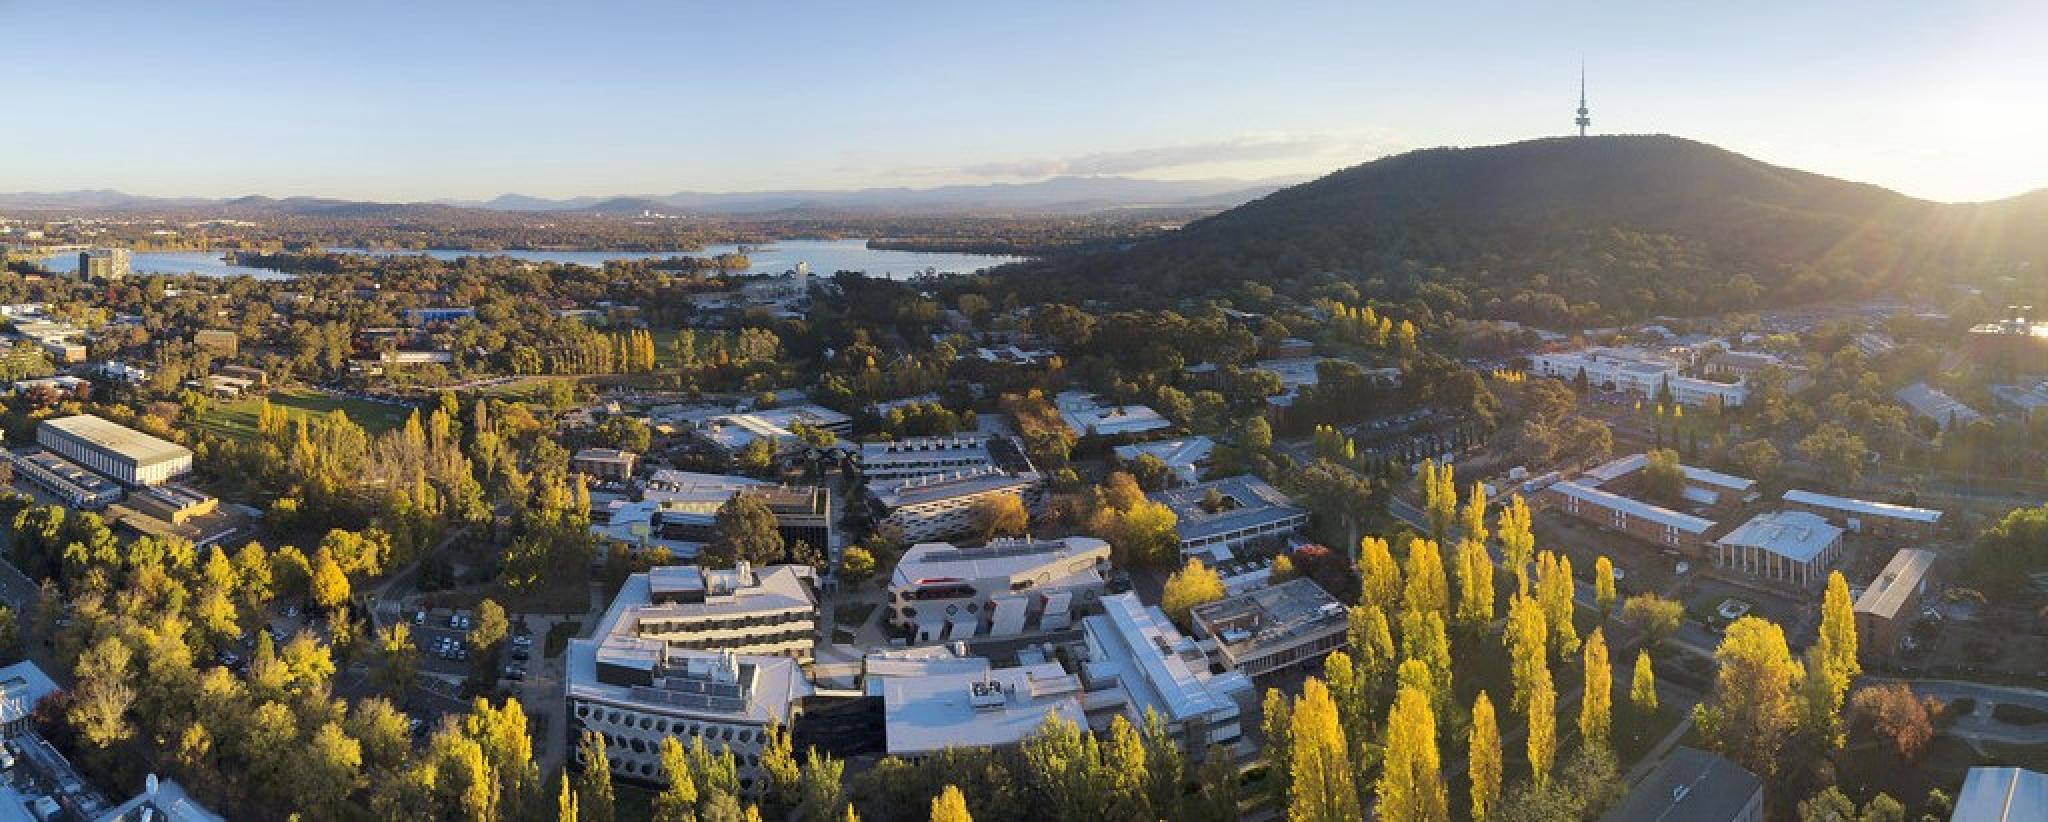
column 1259, row 148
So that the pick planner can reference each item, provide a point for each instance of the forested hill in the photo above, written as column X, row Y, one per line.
column 1577, row 231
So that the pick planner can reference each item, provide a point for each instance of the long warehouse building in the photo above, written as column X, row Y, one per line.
column 129, row 456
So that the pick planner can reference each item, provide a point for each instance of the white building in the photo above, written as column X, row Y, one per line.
column 1788, row 546
column 942, row 506
column 1186, row 458
column 1133, row 649
column 932, row 456
column 730, row 433
column 772, row 611
column 1639, row 373
column 1089, row 417
column 635, row 690
column 940, row 592
column 1241, row 509
column 125, row 454
column 943, row 707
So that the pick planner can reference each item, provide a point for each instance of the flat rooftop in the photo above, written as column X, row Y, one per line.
column 1864, row 507
column 896, row 494
column 1250, row 501
column 763, row 686
column 2002, row 795
column 1271, row 615
column 990, row 708
column 120, row 439
column 1166, row 669
column 999, row 558
column 1690, row 785
column 1795, row 535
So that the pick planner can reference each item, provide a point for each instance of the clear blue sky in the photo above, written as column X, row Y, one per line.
column 437, row 98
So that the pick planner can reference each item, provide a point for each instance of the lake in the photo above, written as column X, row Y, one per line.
column 825, row 257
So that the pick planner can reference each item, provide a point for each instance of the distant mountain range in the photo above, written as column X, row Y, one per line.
column 1056, row 196
column 1577, row 231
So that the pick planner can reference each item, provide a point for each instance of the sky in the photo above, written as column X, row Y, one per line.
column 432, row 99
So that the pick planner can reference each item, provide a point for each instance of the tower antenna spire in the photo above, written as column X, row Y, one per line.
column 1585, row 116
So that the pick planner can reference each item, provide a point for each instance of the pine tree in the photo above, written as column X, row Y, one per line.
column 1484, row 755
column 1410, row 788
column 1596, row 707
column 1379, row 578
column 1642, row 688
column 1423, row 640
column 1834, row 654
column 1320, row 788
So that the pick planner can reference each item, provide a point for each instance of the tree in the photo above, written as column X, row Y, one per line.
column 491, row 626
column 1423, row 641
column 1642, row 688
column 1484, row 757
column 1472, row 517
column 329, row 586
column 1475, row 584
column 1751, row 709
column 856, row 565
column 756, row 458
column 1427, row 589
column 1320, row 786
column 677, row 802
column 1125, row 771
column 565, row 802
column 950, row 806
column 594, row 788
column 778, row 762
column 743, row 530
column 1192, row 585
column 1439, row 489
column 822, row 792
column 1554, row 592
column 1837, row 452
column 1542, row 742
column 1603, row 585
column 1410, row 788
column 1276, row 724
column 1001, row 515
column 1663, row 477
column 1379, row 578
column 328, row 771
column 1371, row 641
column 1833, row 659
column 1596, row 706
column 1528, row 640
column 1756, row 458
column 1658, row 618
column 100, row 700
column 1165, row 768
column 400, row 658
column 1517, row 540
column 1897, row 715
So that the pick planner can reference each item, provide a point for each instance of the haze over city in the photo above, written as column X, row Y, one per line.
column 468, row 100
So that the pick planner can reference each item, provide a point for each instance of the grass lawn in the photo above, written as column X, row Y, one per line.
column 237, row 420
column 1868, row 768
column 558, row 638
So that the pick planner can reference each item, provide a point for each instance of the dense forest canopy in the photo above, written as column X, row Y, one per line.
column 1575, row 232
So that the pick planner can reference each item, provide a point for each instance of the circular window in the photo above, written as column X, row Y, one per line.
column 973, row 608
column 952, row 609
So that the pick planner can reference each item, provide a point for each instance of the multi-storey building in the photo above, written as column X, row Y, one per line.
column 1005, row 588
column 635, row 690
column 1639, row 373
column 941, row 706
column 1267, row 629
column 1634, row 517
column 1133, row 649
column 941, row 506
column 884, row 462
column 77, row 487
column 129, row 456
column 604, row 463
column 103, row 264
column 771, row 611
column 1218, row 515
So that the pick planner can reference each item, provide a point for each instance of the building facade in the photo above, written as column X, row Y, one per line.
column 1272, row 628
column 1795, row 547
column 1890, row 603
column 1642, row 520
column 939, row 592
column 1218, row 515
column 129, row 456
column 943, row 506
